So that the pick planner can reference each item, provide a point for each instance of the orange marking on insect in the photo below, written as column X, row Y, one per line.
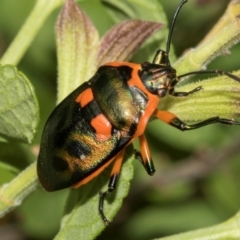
column 135, row 80
column 85, row 97
column 146, row 156
column 118, row 163
column 165, row 116
column 93, row 175
column 102, row 127
column 153, row 100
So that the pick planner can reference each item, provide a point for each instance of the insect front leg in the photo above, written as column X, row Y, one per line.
column 112, row 183
column 184, row 94
column 174, row 121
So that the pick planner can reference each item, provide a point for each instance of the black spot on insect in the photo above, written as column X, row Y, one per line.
column 91, row 110
column 77, row 150
column 66, row 126
column 125, row 73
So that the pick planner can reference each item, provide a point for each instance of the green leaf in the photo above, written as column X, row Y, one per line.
column 144, row 10
column 219, row 97
column 120, row 10
column 82, row 220
column 77, row 47
column 223, row 231
column 122, row 41
column 19, row 112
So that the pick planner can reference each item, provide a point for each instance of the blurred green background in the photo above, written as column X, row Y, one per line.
column 197, row 182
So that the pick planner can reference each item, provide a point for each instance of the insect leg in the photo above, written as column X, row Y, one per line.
column 174, row 121
column 184, row 94
column 112, row 183
column 144, row 155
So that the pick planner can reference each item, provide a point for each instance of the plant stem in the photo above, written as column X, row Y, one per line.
column 25, row 36
column 12, row 194
column 200, row 56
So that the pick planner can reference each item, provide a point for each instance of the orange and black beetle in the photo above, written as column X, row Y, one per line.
column 92, row 126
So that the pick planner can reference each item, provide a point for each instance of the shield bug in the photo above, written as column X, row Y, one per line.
column 92, row 127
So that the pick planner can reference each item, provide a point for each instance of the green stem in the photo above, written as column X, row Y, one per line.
column 226, row 230
column 199, row 57
column 25, row 36
column 12, row 194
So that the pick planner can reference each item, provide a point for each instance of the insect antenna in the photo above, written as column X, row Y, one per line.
column 172, row 25
column 161, row 57
column 178, row 78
